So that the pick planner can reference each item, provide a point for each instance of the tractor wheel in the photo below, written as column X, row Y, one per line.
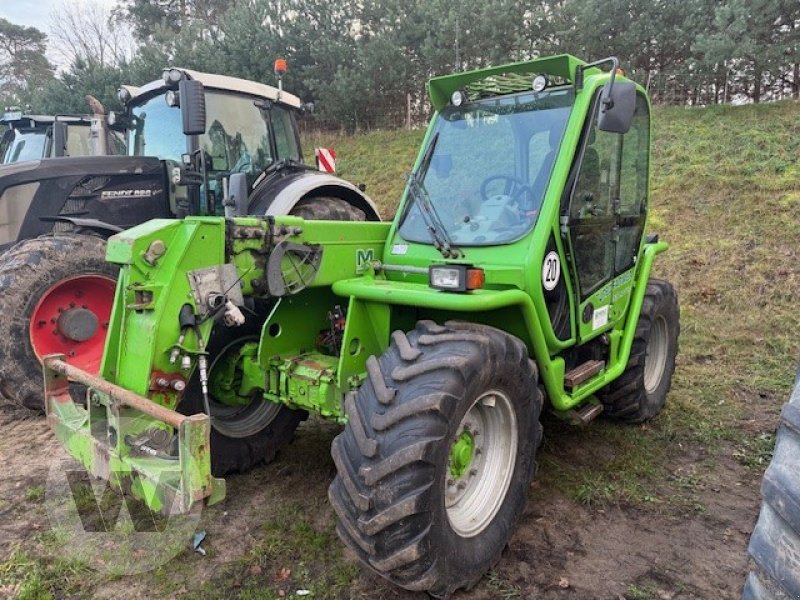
column 244, row 435
column 56, row 294
column 641, row 391
column 325, row 208
column 436, row 459
column 775, row 544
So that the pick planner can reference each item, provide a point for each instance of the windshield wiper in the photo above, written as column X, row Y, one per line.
column 438, row 232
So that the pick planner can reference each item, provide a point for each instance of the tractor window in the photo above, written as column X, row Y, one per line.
column 24, row 144
column 489, row 170
column 591, row 209
column 606, row 208
column 285, row 136
column 156, row 130
column 633, row 186
column 79, row 142
column 238, row 136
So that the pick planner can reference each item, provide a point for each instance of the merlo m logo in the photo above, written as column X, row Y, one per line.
column 363, row 259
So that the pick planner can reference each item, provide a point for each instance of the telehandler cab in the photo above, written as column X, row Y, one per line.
column 194, row 141
column 515, row 273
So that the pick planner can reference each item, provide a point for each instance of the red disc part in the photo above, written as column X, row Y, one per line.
column 71, row 318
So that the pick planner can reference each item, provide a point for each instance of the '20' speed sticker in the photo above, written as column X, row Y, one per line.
column 551, row 271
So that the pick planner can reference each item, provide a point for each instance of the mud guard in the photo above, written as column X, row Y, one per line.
column 278, row 195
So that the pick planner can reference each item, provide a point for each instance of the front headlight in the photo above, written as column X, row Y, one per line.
column 455, row 278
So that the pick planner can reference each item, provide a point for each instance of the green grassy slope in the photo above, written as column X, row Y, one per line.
column 726, row 196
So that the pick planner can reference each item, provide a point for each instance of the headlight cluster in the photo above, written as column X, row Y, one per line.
column 456, row 278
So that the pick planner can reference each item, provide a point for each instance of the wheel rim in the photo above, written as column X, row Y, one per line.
column 237, row 419
column 655, row 360
column 71, row 318
column 481, row 464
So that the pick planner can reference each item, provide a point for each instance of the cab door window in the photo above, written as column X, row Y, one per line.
column 591, row 209
column 608, row 200
column 633, row 187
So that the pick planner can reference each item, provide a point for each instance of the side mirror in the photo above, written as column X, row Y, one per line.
column 236, row 200
column 59, row 139
column 193, row 106
column 617, row 103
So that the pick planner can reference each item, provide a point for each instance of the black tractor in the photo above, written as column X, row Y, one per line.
column 197, row 144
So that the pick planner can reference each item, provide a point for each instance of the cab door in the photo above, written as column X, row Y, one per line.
column 604, row 213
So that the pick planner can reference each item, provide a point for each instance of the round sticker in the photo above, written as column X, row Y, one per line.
column 551, row 271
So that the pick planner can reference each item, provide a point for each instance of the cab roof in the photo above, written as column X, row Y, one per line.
column 18, row 119
column 504, row 79
column 224, row 83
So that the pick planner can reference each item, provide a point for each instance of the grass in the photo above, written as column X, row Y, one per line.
column 28, row 577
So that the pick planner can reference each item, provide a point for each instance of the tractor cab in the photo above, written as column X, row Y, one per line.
column 33, row 137
column 535, row 173
column 238, row 127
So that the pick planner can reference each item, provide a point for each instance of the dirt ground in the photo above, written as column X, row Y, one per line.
column 690, row 544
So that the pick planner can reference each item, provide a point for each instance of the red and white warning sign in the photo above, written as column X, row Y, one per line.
column 326, row 159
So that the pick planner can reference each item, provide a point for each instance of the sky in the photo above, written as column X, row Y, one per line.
column 36, row 13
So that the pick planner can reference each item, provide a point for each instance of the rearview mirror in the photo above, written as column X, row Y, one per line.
column 617, row 103
column 193, row 106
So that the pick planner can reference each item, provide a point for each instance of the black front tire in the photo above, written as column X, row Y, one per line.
column 27, row 272
column 640, row 393
column 393, row 459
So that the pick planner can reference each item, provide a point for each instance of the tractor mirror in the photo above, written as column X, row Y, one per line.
column 193, row 106
column 617, row 103
column 236, row 202
column 59, row 139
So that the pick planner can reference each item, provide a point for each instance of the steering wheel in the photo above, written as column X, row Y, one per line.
column 514, row 187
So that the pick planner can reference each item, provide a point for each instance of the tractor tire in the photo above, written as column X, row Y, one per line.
column 238, row 440
column 51, row 287
column 241, row 440
column 325, row 208
column 436, row 460
column 641, row 391
column 775, row 544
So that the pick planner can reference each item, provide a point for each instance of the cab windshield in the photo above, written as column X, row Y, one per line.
column 489, row 169
column 237, row 139
column 23, row 144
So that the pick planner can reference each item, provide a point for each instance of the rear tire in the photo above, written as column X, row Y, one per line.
column 29, row 271
column 775, row 544
column 398, row 495
column 240, row 454
column 326, row 208
column 641, row 391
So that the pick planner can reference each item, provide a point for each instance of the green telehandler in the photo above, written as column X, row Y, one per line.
column 515, row 275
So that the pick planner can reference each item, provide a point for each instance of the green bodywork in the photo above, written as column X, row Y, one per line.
column 358, row 268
